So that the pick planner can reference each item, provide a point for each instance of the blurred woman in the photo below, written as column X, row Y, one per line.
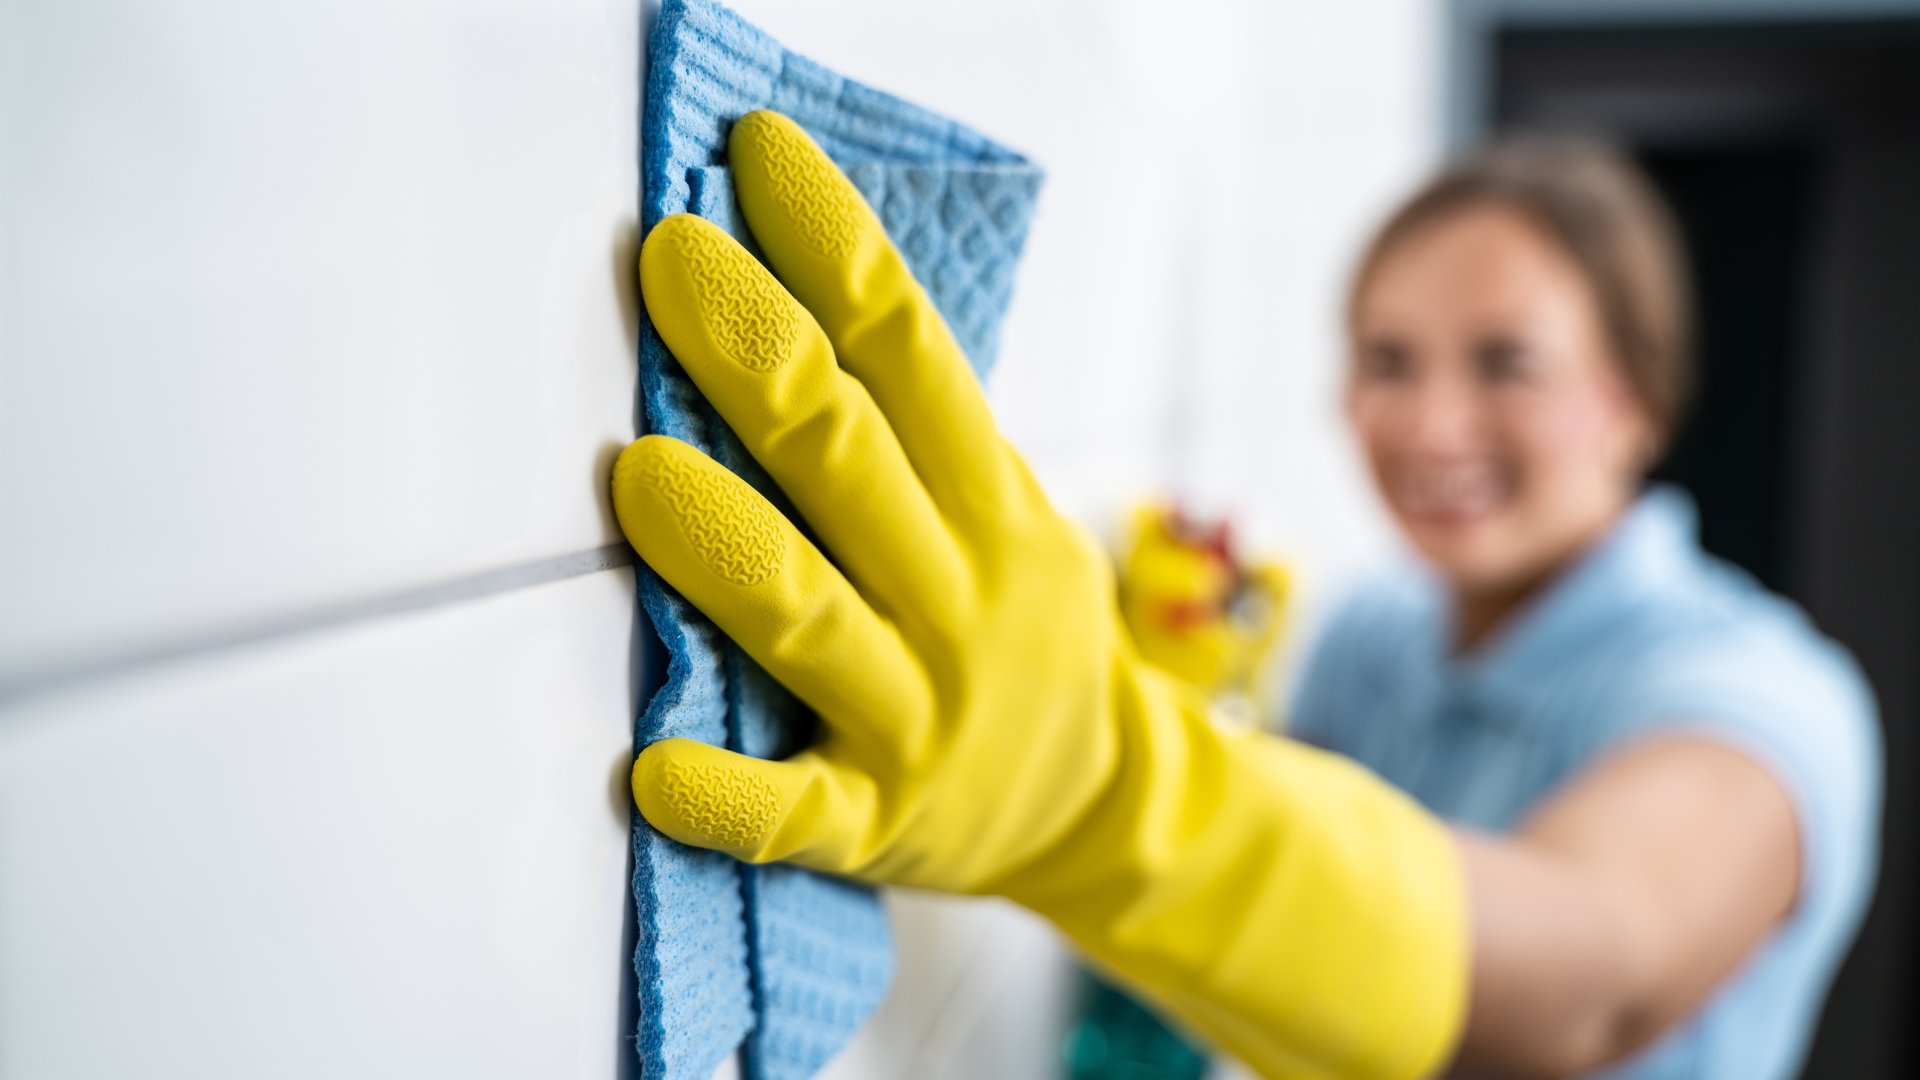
column 1666, row 781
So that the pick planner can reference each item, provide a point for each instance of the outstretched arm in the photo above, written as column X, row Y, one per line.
column 988, row 725
column 1620, row 905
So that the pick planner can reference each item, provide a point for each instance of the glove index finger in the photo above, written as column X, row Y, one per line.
column 721, row 545
column 829, row 250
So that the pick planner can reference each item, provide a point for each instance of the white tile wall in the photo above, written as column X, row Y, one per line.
column 305, row 305
column 393, row 851
column 302, row 302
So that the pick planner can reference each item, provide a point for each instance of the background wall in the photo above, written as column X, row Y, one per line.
column 315, row 343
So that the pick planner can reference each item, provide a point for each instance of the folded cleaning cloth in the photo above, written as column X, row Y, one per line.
column 781, row 962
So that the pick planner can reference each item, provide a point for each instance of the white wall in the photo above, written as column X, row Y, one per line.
column 306, row 309
column 398, row 850
column 302, row 302
column 315, row 341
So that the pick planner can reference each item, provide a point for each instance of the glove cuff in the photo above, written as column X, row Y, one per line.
column 1283, row 901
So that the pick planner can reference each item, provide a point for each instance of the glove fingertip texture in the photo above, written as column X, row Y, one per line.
column 735, row 534
column 825, row 213
column 753, row 320
column 725, row 807
column 780, row 962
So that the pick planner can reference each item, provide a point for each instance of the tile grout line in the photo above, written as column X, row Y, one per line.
column 16, row 686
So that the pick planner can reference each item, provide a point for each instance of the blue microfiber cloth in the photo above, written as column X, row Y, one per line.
column 780, row 961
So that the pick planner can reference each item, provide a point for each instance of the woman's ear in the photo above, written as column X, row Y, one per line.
column 1653, row 449
column 1645, row 438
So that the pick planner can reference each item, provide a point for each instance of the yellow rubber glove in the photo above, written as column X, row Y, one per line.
column 987, row 726
column 1193, row 607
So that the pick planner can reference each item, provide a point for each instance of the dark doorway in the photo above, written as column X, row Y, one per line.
column 1746, row 213
column 1791, row 155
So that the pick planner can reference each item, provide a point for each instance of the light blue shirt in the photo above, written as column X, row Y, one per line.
column 1646, row 634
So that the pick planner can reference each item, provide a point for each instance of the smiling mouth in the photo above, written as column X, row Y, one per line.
column 1449, row 494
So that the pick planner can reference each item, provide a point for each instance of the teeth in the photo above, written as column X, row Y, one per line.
column 1455, row 491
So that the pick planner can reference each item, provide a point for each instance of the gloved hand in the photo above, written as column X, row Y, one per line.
column 1193, row 607
column 987, row 726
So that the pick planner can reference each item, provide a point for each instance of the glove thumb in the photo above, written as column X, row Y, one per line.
column 805, row 809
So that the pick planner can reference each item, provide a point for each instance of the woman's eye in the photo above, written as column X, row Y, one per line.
column 1388, row 361
column 1500, row 361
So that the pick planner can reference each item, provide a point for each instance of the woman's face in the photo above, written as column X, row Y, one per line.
column 1495, row 420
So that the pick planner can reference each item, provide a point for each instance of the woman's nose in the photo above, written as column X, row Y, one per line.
column 1443, row 415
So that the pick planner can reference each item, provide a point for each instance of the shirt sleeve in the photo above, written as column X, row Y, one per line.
column 1776, row 690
